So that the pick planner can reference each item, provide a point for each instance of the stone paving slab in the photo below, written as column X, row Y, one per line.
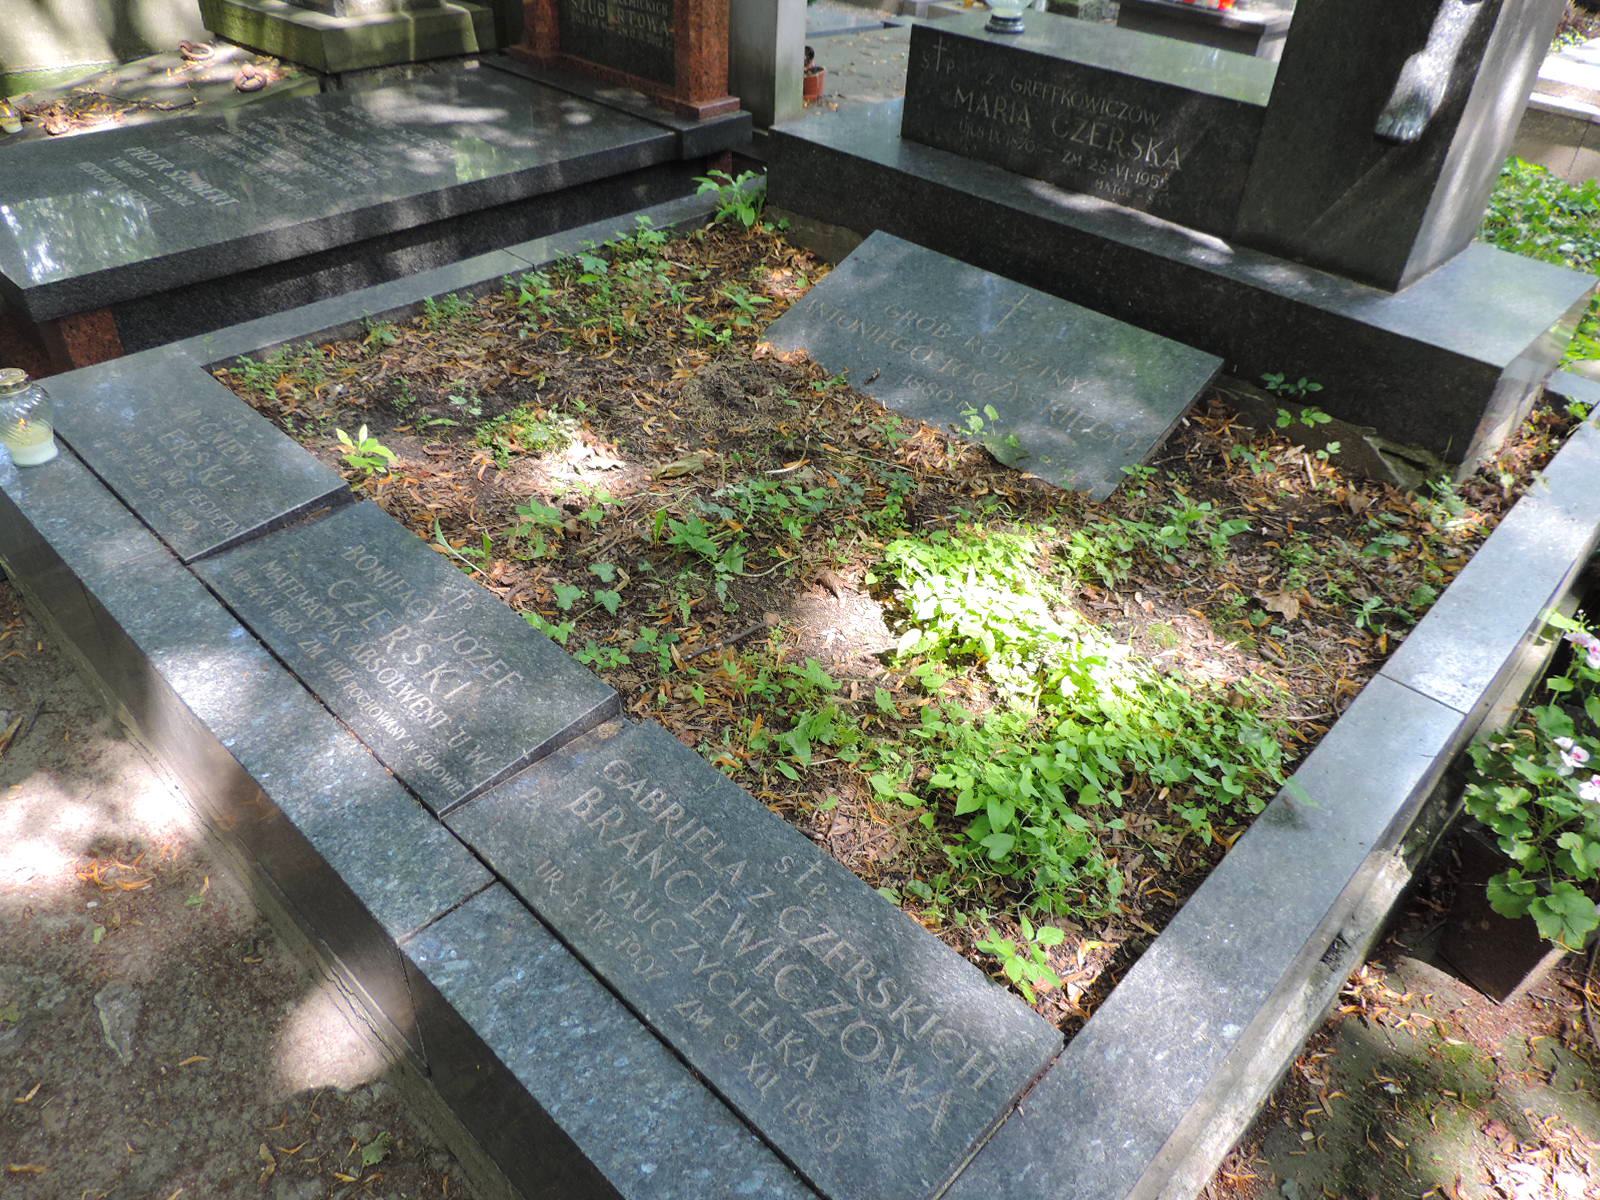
column 202, row 468
column 451, row 689
column 870, row 1054
column 570, row 1089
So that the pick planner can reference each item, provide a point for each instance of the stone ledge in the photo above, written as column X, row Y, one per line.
column 333, row 45
column 1171, row 1097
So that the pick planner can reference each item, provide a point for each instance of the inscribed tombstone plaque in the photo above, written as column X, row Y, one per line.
column 87, row 222
column 448, row 686
column 1053, row 389
column 869, row 1054
column 1133, row 118
column 675, row 51
column 194, row 461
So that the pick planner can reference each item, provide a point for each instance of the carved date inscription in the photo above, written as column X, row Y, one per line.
column 1146, row 145
column 636, row 36
column 868, row 1053
column 451, row 689
column 1048, row 387
column 197, row 465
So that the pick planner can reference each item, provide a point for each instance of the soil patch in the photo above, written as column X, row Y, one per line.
column 986, row 697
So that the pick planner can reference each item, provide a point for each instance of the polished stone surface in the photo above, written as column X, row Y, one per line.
column 193, row 460
column 277, row 286
column 335, row 834
column 1446, row 365
column 635, row 36
column 872, row 1056
column 697, row 137
column 1196, row 1034
column 1326, row 189
column 336, row 44
column 450, row 688
column 1075, row 397
column 1258, row 30
column 1470, row 639
column 57, row 524
column 1151, row 123
column 560, row 1082
column 85, row 222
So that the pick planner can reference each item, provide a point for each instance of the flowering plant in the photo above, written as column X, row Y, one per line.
column 1536, row 787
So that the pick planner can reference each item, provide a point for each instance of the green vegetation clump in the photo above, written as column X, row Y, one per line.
column 1538, row 214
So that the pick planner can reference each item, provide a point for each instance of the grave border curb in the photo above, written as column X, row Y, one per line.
column 1241, row 1073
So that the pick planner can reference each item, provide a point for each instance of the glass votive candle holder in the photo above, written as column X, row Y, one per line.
column 27, row 420
column 1005, row 16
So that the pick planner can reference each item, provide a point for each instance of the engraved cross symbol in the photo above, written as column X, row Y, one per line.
column 1022, row 302
column 938, row 57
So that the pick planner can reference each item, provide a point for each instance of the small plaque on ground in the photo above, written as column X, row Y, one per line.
column 195, row 462
column 870, row 1055
column 1050, row 388
column 636, row 36
column 450, row 688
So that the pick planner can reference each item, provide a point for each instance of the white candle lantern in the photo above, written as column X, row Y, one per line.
column 27, row 424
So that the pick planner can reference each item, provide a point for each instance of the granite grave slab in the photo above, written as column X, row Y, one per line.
column 870, row 1055
column 87, row 222
column 451, row 689
column 1144, row 121
column 635, row 36
column 336, row 37
column 563, row 1083
column 198, row 464
column 1060, row 391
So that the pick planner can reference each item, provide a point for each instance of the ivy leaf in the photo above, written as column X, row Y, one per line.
column 1566, row 916
column 375, row 1151
column 1510, row 894
column 999, row 845
column 608, row 600
column 567, row 596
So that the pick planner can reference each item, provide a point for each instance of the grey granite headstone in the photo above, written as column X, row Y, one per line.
column 87, row 222
column 636, row 36
column 451, row 689
column 1059, row 391
column 1388, row 126
column 1140, row 120
column 869, row 1054
column 197, row 464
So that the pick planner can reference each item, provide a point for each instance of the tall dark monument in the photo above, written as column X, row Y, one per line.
column 1387, row 127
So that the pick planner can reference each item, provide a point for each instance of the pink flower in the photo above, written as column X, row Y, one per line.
column 1573, row 755
column 1590, row 791
column 1589, row 644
